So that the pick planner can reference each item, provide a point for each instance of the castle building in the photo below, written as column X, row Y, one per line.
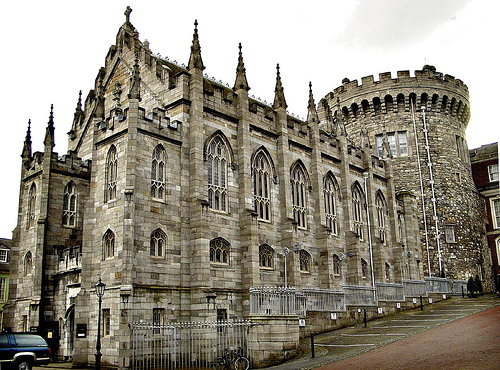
column 420, row 122
column 178, row 190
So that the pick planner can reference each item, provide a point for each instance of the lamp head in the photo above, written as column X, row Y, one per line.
column 99, row 288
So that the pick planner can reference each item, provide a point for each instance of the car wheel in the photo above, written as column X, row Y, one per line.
column 23, row 365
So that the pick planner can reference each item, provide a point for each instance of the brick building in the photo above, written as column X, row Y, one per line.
column 484, row 163
column 178, row 191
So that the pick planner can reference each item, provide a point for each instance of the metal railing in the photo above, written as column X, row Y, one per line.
column 192, row 345
column 324, row 299
column 457, row 287
column 360, row 295
column 272, row 301
column 437, row 285
column 415, row 288
column 390, row 292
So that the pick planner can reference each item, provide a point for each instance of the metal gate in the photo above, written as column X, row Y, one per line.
column 189, row 345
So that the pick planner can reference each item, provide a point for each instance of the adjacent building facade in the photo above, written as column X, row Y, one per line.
column 178, row 190
column 484, row 162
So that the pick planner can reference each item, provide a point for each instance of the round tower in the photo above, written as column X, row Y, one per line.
column 420, row 122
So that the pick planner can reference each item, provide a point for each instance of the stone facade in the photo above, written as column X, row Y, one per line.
column 186, row 190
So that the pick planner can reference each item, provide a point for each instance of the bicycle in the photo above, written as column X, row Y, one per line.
column 232, row 359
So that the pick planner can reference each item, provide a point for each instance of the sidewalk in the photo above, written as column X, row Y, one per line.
column 355, row 340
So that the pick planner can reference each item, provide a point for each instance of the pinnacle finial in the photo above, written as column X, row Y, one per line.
column 27, row 142
column 241, row 78
column 279, row 93
column 49, row 132
column 135, row 81
column 312, row 114
column 195, row 60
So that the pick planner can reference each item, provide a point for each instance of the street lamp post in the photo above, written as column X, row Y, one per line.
column 99, row 291
column 284, row 252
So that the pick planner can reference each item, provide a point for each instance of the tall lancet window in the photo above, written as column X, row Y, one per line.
column 299, row 200
column 28, row 263
column 217, row 165
column 261, row 186
column 381, row 211
column 111, row 170
column 158, row 173
column 69, row 205
column 108, row 245
column 330, row 194
column 357, row 211
column 32, row 205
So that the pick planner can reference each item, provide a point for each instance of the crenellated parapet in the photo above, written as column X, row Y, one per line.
column 439, row 93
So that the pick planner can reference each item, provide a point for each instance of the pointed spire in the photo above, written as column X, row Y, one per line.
column 49, row 132
column 76, row 117
column 241, row 78
column 135, row 81
column 279, row 94
column 27, row 143
column 312, row 114
column 195, row 60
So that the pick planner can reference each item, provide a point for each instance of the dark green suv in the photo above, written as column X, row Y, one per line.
column 23, row 350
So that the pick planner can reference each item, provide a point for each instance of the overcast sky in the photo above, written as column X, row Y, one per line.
column 53, row 49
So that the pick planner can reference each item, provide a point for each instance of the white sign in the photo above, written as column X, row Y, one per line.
column 359, row 310
column 398, row 305
column 444, row 296
column 414, row 300
column 380, row 311
column 430, row 300
column 302, row 322
column 333, row 315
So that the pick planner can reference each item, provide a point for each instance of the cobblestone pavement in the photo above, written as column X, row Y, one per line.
column 352, row 341
column 356, row 340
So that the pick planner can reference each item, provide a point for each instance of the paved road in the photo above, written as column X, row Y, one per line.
column 469, row 343
column 337, row 346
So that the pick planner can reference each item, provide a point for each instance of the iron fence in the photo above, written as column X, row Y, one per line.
column 189, row 345
column 437, row 285
column 360, row 295
column 324, row 299
column 415, row 288
column 272, row 301
column 390, row 292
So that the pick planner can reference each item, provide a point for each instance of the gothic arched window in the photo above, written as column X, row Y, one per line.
column 158, row 173
column 69, row 205
column 304, row 261
column 299, row 200
column 219, row 251
column 336, row 265
column 111, row 174
column 217, row 166
column 261, row 174
column 32, row 205
column 380, row 206
column 266, row 256
column 28, row 263
column 330, row 194
column 364, row 268
column 157, row 244
column 357, row 211
column 108, row 245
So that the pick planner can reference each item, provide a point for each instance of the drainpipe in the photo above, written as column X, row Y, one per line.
column 421, row 192
column 429, row 163
column 365, row 177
